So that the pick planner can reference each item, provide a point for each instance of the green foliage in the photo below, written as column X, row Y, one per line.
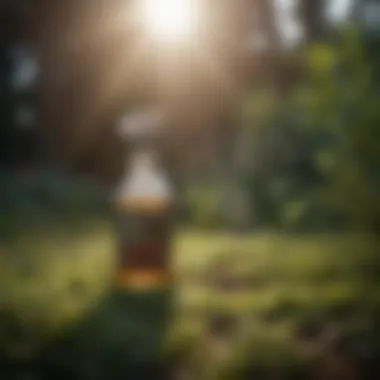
column 345, row 94
column 323, row 138
column 205, row 206
column 215, row 205
column 48, row 200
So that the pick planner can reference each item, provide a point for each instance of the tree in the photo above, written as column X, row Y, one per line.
column 336, row 105
column 6, row 115
column 311, row 15
column 320, row 146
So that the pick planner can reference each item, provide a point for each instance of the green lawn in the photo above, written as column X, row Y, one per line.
column 273, row 283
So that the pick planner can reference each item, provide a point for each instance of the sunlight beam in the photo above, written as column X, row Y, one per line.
column 168, row 20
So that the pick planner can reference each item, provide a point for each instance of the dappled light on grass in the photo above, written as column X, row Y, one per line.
column 63, row 277
column 291, row 279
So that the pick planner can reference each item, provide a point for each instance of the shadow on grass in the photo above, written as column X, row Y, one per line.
column 120, row 337
column 289, row 281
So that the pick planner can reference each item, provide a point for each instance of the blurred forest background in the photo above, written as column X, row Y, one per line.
column 274, row 147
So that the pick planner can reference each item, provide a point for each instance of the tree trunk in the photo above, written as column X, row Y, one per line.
column 311, row 15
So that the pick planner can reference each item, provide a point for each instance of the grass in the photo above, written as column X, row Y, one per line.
column 51, row 279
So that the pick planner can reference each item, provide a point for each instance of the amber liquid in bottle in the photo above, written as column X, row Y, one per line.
column 144, row 243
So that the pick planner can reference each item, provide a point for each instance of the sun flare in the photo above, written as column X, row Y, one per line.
column 168, row 20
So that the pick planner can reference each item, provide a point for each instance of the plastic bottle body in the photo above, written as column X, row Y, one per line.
column 144, row 208
column 143, row 276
